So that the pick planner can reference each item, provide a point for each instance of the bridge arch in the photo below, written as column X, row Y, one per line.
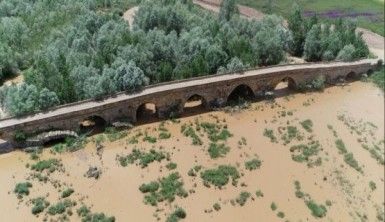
column 146, row 111
column 93, row 124
column 194, row 102
column 287, row 82
column 370, row 72
column 241, row 91
column 351, row 76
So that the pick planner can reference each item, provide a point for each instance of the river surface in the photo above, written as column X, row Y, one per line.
column 116, row 192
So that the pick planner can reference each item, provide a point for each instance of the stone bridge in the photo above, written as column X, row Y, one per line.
column 171, row 97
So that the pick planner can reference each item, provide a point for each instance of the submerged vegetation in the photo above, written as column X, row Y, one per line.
column 220, row 176
column 166, row 188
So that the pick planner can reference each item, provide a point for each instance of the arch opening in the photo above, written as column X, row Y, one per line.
column 194, row 104
column 284, row 87
column 146, row 112
column 93, row 125
column 240, row 94
column 369, row 72
column 351, row 76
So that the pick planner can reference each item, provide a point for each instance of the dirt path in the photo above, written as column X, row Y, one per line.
column 130, row 14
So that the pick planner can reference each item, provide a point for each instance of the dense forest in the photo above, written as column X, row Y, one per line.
column 78, row 49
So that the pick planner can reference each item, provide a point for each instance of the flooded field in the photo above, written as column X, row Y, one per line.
column 301, row 157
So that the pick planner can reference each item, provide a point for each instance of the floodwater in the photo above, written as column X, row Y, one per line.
column 116, row 192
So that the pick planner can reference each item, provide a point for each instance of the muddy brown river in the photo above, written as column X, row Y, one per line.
column 355, row 112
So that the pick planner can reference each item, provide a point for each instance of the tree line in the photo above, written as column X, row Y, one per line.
column 74, row 50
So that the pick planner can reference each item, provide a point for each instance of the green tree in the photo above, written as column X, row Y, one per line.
column 347, row 53
column 47, row 99
column 227, row 10
column 21, row 99
column 296, row 26
column 313, row 48
column 268, row 47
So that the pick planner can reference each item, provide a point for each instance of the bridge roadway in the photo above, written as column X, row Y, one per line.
column 164, row 88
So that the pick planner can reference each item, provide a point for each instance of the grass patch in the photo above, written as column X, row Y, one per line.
column 113, row 134
column 149, row 139
column 378, row 78
column 269, row 133
column 253, row 164
column 317, row 210
column 215, row 132
column 348, row 157
column 141, row 158
column 51, row 165
column 220, row 176
column 307, row 153
column 193, row 171
column 291, row 133
column 166, row 188
column 341, row 146
column 189, row 131
column 307, row 125
column 218, row 150
column 351, row 161
column 164, row 135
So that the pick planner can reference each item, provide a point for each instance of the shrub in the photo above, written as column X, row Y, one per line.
column 221, row 175
column 341, row 146
column 270, row 134
column 253, row 164
column 307, row 125
column 165, row 189
column 273, row 206
column 372, row 185
column 218, row 150
column 171, row 166
column 83, row 211
column 242, row 198
column 67, row 192
column 39, row 205
column 60, row 207
column 178, row 214
column 144, row 158
column 217, row 207
column 22, row 189
column 316, row 210
column 259, row 193
column 150, row 187
column 281, row 214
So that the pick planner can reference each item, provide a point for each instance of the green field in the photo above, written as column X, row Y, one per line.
column 374, row 23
